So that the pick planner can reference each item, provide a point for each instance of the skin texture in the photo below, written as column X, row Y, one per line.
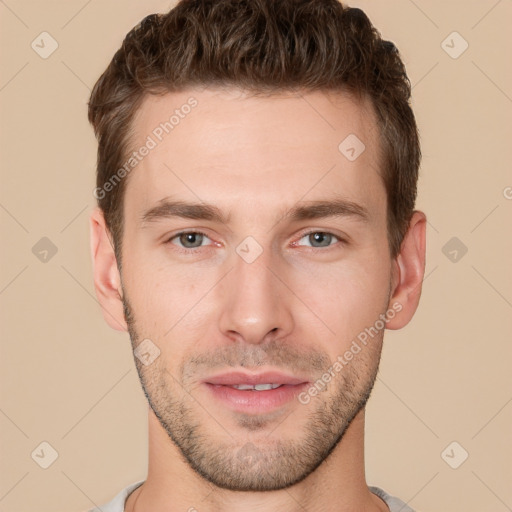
column 296, row 308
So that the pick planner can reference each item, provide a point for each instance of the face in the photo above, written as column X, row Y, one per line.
column 255, row 252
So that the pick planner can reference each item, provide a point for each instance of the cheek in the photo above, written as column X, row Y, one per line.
column 166, row 299
column 337, row 299
column 347, row 298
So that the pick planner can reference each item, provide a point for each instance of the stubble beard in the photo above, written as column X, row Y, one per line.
column 267, row 462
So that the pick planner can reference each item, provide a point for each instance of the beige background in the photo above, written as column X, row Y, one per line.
column 69, row 380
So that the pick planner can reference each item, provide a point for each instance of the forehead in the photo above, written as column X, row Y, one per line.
column 254, row 153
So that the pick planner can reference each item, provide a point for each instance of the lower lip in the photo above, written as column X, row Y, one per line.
column 255, row 401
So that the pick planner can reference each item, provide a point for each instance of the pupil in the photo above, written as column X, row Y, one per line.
column 321, row 237
column 190, row 238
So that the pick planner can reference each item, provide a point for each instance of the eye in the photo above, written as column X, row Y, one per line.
column 188, row 239
column 319, row 239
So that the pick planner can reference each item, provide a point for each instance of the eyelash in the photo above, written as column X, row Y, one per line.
column 195, row 249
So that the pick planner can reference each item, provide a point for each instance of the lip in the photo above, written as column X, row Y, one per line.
column 254, row 402
column 270, row 377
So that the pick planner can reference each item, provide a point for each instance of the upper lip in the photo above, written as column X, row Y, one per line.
column 270, row 377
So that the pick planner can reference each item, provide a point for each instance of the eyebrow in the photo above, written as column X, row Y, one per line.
column 306, row 210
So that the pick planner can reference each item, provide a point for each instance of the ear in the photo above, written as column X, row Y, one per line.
column 408, row 270
column 107, row 280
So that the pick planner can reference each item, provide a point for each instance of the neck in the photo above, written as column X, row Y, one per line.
column 337, row 485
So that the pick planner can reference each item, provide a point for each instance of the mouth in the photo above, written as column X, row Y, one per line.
column 254, row 393
column 256, row 387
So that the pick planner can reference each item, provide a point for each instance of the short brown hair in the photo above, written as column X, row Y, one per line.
column 265, row 46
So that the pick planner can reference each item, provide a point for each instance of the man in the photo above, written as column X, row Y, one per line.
column 255, row 234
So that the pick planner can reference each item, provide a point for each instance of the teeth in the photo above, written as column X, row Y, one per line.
column 256, row 387
column 263, row 387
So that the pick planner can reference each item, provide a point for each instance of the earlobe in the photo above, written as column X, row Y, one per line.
column 107, row 281
column 408, row 272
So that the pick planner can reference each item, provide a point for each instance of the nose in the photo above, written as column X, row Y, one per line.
column 255, row 301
